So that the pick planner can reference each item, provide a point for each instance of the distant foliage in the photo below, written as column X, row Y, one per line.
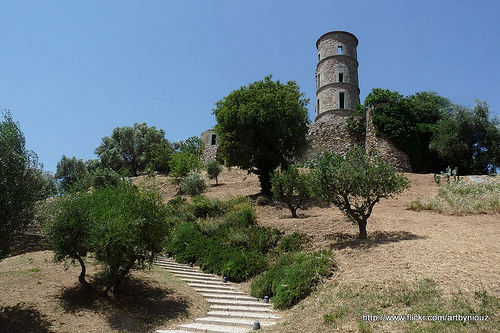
column 355, row 184
column 193, row 184
column 290, row 187
column 22, row 182
column 130, row 147
column 160, row 156
column 214, row 169
column 469, row 139
column 70, row 171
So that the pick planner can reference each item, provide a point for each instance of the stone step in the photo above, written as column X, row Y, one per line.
column 232, row 322
column 205, row 278
column 223, row 286
column 198, row 327
column 241, row 308
column 219, row 291
column 229, row 297
column 186, row 271
column 194, row 280
column 243, row 314
column 172, row 331
column 233, row 302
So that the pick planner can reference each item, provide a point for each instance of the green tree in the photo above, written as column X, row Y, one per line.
column 214, row 168
column 409, row 122
column 22, row 182
column 129, row 147
column 70, row 171
column 468, row 139
column 123, row 227
column 355, row 183
column 181, row 163
column 290, row 187
column 160, row 156
column 193, row 145
column 262, row 125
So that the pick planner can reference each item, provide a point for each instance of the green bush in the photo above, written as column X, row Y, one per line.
column 214, row 168
column 204, row 207
column 193, row 184
column 221, row 237
column 293, row 277
column 181, row 163
column 293, row 242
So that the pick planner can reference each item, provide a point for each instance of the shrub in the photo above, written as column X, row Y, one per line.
column 293, row 242
column 193, row 184
column 104, row 177
column 205, row 207
column 214, row 168
column 293, row 277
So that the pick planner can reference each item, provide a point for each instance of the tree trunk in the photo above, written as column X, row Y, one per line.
column 81, row 278
column 294, row 211
column 265, row 182
column 362, row 229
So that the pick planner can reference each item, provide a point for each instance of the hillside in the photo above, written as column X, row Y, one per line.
column 460, row 254
column 413, row 262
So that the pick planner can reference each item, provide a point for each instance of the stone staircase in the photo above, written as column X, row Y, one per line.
column 231, row 310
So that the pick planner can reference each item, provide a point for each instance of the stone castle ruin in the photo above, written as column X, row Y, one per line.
column 337, row 95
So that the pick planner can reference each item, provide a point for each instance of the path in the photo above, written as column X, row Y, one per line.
column 232, row 311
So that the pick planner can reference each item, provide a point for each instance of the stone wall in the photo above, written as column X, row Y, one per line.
column 29, row 243
column 330, row 133
column 384, row 147
column 211, row 149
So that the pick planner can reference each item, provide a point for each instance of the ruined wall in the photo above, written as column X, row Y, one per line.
column 211, row 148
column 384, row 147
column 330, row 133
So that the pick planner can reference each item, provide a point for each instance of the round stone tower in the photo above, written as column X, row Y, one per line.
column 337, row 88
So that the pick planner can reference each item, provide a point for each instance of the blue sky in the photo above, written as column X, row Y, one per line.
column 71, row 71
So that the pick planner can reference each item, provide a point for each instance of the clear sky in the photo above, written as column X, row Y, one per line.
column 71, row 71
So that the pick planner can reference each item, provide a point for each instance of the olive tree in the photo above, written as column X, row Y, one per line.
column 355, row 183
column 22, row 182
column 123, row 227
column 214, row 168
column 70, row 171
column 291, row 187
column 130, row 147
column 261, row 126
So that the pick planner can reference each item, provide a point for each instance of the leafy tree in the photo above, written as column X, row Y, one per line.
column 290, row 187
column 355, row 184
column 214, row 168
column 22, row 182
column 160, row 156
column 124, row 227
column 262, row 125
column 181, row 163
column 129, row 147
column 70, row 171
column 92, row 164
column 409, row 122
column 468, row 139
column 193, row 145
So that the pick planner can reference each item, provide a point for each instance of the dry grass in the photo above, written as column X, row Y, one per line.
column 462, row 197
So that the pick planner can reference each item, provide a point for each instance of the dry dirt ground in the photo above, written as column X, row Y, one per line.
column 457, row 252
